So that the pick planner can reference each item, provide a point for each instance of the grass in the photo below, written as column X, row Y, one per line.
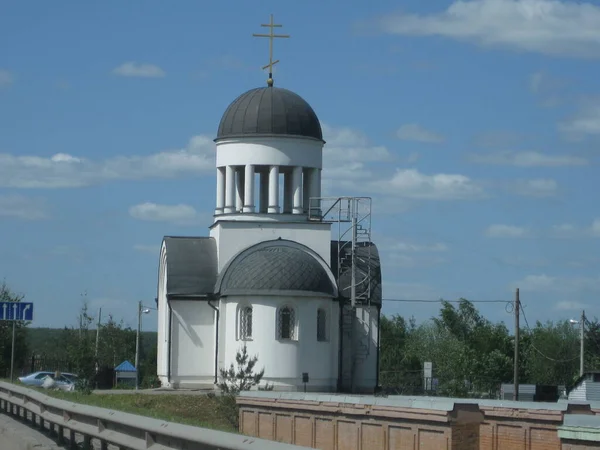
column 214, row 412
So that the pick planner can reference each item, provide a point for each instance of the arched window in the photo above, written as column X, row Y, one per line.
column 245, row 323
column 321, row 325
column 286, row 323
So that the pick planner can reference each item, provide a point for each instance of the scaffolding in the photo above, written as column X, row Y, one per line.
column 352, row 215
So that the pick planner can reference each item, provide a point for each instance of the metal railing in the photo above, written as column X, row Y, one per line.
column 73, row 424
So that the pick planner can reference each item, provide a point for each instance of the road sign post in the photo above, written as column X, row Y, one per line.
column 14, row 312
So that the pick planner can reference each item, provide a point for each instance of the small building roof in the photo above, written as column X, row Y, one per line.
column 125, row 366
column 192, row 266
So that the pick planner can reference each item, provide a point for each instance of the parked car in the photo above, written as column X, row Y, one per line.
column 64, row 381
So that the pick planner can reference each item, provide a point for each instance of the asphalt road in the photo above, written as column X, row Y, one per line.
column 15, row 435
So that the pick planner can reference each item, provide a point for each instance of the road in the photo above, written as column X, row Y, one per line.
column 15, row 435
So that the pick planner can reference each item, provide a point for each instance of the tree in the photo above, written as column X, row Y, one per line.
column 240, row 378
column 21, row 350
column 81, row 349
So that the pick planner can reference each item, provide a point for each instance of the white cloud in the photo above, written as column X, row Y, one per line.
column 570, row 306
column 539, row 187
column 134, row 69
column 412, row 184
column 415, row 132
column 510, row 231
column 177, row 214
column 344, row 144
column 66, row 171
column 585, row 122
column 569, row 230
column 528, row 159
column 551, row 27
column 408, row 247
column 561, row 285
column 21, row 207
column 153, row 249
column 410, row 255
column 6, row 78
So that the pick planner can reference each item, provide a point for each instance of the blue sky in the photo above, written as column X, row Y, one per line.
column 473, row 125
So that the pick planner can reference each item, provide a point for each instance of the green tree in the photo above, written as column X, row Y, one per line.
column 242, row 376
column 21, row 348
column 81, row 349
column 551, row 356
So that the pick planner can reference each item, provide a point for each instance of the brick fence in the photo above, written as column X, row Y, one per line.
column 338, row 422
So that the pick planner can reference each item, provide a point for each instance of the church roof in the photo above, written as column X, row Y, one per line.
column 269, row 111
column 274, row 267
column 192, row 266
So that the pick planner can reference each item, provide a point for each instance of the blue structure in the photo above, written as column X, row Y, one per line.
column 125, row 373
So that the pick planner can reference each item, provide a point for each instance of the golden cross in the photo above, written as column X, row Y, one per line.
column 271, row 36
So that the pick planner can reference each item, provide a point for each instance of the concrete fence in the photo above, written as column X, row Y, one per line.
column 71, row 422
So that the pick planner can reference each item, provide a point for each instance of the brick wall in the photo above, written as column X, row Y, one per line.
column 337, row 422
column 343, row 425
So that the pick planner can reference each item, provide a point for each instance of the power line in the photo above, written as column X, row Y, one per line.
column 442, row 300
column 538, row 350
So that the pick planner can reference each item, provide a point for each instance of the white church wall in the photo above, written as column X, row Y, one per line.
column 193, row 336
column 271, row 151
column 162, row 350
column 285, row 360
column 366, row 327
column 233, row 236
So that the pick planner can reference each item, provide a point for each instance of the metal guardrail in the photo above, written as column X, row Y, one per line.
column 123, row 430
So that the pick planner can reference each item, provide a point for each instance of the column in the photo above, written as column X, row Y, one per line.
column 264, row 192
column 305, row 188
column 274, row 189
column 239, row 189
column 315, row 191
column 229, row 190
column 249, row 189
column 288, row 193
column 220, row 190
column 297, row 191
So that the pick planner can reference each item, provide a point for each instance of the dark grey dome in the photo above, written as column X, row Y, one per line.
column 273, row 269
column 269, row 111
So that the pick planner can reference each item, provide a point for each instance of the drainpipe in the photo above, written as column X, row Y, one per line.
column 170, row 342
column 378, row 347
column 216, row 341
column 340, row 346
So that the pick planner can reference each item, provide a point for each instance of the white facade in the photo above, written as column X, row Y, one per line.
column 263, row 279
column 285, row 360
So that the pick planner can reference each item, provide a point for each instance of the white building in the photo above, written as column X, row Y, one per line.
column 270, row 275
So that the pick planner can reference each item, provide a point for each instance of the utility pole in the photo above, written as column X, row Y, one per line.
column 582, row 343
column 137, row 346
column 516, row 362
column 12, row 352
column 98, row 331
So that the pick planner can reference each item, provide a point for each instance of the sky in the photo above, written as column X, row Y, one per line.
column 473, row 125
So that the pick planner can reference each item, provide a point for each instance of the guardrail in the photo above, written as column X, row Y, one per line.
column 65, row 420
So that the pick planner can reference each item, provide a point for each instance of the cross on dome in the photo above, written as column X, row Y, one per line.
column 271, row 37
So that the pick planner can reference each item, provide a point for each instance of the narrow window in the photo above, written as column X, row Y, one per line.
column 321, row 325
column 246, row 323
column 286, row 323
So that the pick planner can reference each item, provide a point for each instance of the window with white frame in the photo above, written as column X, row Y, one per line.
column 321, row 325
column 286, row 323
column 245, row 323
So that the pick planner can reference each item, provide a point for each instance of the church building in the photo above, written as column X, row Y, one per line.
column 285, row 271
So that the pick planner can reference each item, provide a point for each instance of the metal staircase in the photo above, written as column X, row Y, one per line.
column 352, row 215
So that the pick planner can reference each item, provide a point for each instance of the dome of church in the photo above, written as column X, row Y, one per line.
column 273, row 269
column 269, row 111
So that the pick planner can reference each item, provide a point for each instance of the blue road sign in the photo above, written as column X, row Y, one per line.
column 16, row 311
